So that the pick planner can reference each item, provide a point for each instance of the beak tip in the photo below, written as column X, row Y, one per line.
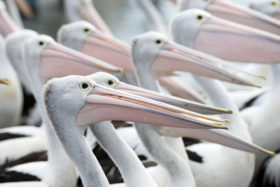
column 228, row 121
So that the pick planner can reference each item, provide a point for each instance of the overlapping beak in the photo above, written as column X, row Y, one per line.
column 7, row 25
column 90, row 14
column 173, row 57
column 5, row 81
column 109, row 49
column 182, row 103
column 215, row 136
column 236, row 13
column 58, row 60
column 108, row 104
column 235, row 42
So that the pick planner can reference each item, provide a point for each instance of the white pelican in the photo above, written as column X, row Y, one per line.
column 236, row 13
column 52, row 172
column 83, row 37
column 90, row 102
column 252, row 50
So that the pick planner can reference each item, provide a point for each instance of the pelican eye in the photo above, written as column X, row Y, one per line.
column 158, row 41
column 199, row 17
column 273, row 3
column 205, row 0
column 86, row 30
column 85, row 86
column 110, row 83
column 41, row 43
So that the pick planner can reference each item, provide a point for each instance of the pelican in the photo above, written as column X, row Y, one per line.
column 253, row 51
column 250, row 52
column 84, row 37
column 52, row 172
column 236, row 13
column 269, row 7
column 155, row 23
column 118, row 53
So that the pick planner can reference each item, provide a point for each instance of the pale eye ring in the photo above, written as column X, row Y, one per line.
column 85, row 86
column 110, row 82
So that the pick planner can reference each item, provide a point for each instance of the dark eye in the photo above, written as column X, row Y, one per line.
column 199, row 17
column 273, row 3
column 110, row 82
column 158, row 41
column 84, row 85
column 41, row 43
column 86, row 30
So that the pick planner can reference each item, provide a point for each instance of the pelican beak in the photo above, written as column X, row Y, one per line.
column 90, row 14
column 25, row 8
column 7, row 25
column 5, row 81
column 182, row 103
column 109, row 104
column 215, row 136
column 58, row 60
column 236, row 13
column 235, row 42
column 109, row 49
column 174, row 57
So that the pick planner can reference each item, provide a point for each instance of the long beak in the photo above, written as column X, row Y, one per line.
column 128, row 107
column 5, row 81
column 109, row 49
column 235, row 42
column 173, row 57
column 236, row 13
column 90, row 14
column 182, row 103
column 7, row 25
column 58, row 60
column 215, row 136
column 177, row 89
column 25, row 8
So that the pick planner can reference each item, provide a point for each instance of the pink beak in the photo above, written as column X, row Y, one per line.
column 239, row 14
column 235, row 42
column 58, row 61
column 107, row 104
column 215, row 136
column 173, row 57
column 109, row 49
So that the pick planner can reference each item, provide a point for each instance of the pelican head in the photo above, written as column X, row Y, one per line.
column 204, row 32
column 153, row 53
column 84, row 37
column 7, row 25
column 233, row 12
column 50, row 59
column 87, row 102
column 269, row 7
column 14, row 44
